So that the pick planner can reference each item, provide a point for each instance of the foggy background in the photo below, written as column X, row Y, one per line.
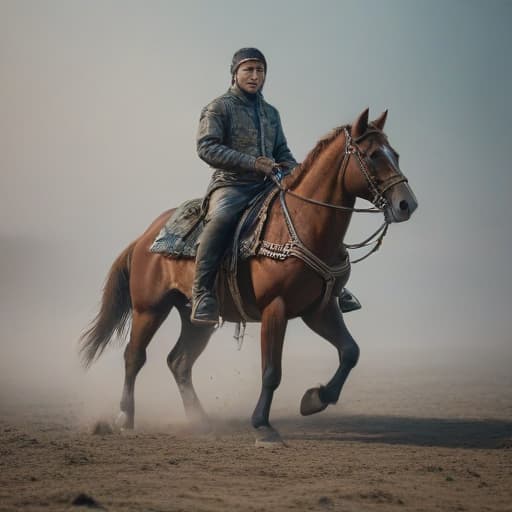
column 99, row 105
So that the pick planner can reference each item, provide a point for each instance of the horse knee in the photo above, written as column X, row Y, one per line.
column 271, row 377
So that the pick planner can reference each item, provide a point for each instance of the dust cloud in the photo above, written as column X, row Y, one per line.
column 100, row 104
column 47, row 302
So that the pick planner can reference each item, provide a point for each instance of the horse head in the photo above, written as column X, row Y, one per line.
column 373, row 172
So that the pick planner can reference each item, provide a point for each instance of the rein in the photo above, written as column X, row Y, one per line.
column 329, row 205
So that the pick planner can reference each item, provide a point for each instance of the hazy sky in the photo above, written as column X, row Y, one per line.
column 99, row 104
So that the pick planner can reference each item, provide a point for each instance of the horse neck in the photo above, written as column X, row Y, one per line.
column 322, row 228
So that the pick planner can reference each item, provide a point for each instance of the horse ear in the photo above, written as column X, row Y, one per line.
column 381, row 120
column 360, row 125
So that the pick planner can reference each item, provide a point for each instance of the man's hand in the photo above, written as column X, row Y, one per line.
column 264, row 165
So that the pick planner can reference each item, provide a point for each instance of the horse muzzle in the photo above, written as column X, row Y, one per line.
column 401, row 203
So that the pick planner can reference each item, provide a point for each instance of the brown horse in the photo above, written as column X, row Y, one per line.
column 314, row 212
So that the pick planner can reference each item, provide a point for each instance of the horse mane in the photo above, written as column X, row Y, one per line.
column 298, row 173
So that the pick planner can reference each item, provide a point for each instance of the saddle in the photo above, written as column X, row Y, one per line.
column 180, row 235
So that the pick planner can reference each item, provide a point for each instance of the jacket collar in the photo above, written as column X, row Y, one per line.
column 236, row 91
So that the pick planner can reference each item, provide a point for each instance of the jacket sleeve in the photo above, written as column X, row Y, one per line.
column 282, row 152
column 211, row 138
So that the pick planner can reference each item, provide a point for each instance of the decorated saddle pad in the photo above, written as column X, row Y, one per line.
column 180, row 234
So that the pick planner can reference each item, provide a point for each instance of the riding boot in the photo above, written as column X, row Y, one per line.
column 348, row 302
column 212, row 247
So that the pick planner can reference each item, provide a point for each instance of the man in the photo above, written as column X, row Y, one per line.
column 240, row 136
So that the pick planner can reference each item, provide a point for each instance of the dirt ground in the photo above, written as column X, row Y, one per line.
column 340, row 460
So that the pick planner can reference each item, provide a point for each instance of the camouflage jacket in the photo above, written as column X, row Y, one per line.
column 234, row 131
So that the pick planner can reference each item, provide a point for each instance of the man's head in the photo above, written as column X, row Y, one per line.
column 248, row 69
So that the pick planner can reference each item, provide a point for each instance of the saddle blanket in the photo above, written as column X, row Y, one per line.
column 180, row 234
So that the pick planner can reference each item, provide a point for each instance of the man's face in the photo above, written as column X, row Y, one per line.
column 250, row 76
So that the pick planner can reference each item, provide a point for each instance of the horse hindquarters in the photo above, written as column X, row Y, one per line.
column 151, row 302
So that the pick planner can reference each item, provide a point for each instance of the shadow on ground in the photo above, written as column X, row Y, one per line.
column 451, row 433
column 399, row 430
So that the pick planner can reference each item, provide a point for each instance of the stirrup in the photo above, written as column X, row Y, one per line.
column 348, row 302
column 205, row 310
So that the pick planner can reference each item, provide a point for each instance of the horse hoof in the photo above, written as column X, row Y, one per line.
column 267, row 437
column 311, row 403
column 122, row 422
column 102, row 428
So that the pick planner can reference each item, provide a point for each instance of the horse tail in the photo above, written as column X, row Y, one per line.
column 116, row 306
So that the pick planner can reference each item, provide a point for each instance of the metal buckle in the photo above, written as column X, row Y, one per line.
column 380, row 201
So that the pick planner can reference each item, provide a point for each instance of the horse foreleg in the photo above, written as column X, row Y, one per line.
column 144, row 326
column 273, row 327
column 329, row 324
column 191, row 343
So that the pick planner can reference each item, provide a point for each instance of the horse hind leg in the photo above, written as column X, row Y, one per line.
column 144, row 326
column 191, row 343
column 329, row 324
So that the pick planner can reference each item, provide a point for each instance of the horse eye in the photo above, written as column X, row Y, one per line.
column 376, row 154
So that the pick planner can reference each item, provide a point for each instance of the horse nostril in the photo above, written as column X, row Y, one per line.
column 404, row 205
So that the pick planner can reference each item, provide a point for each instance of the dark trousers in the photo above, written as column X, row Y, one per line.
column 225, row 208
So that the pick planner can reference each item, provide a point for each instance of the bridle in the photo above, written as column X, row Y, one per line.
column 378, row 199
column 352, row 148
